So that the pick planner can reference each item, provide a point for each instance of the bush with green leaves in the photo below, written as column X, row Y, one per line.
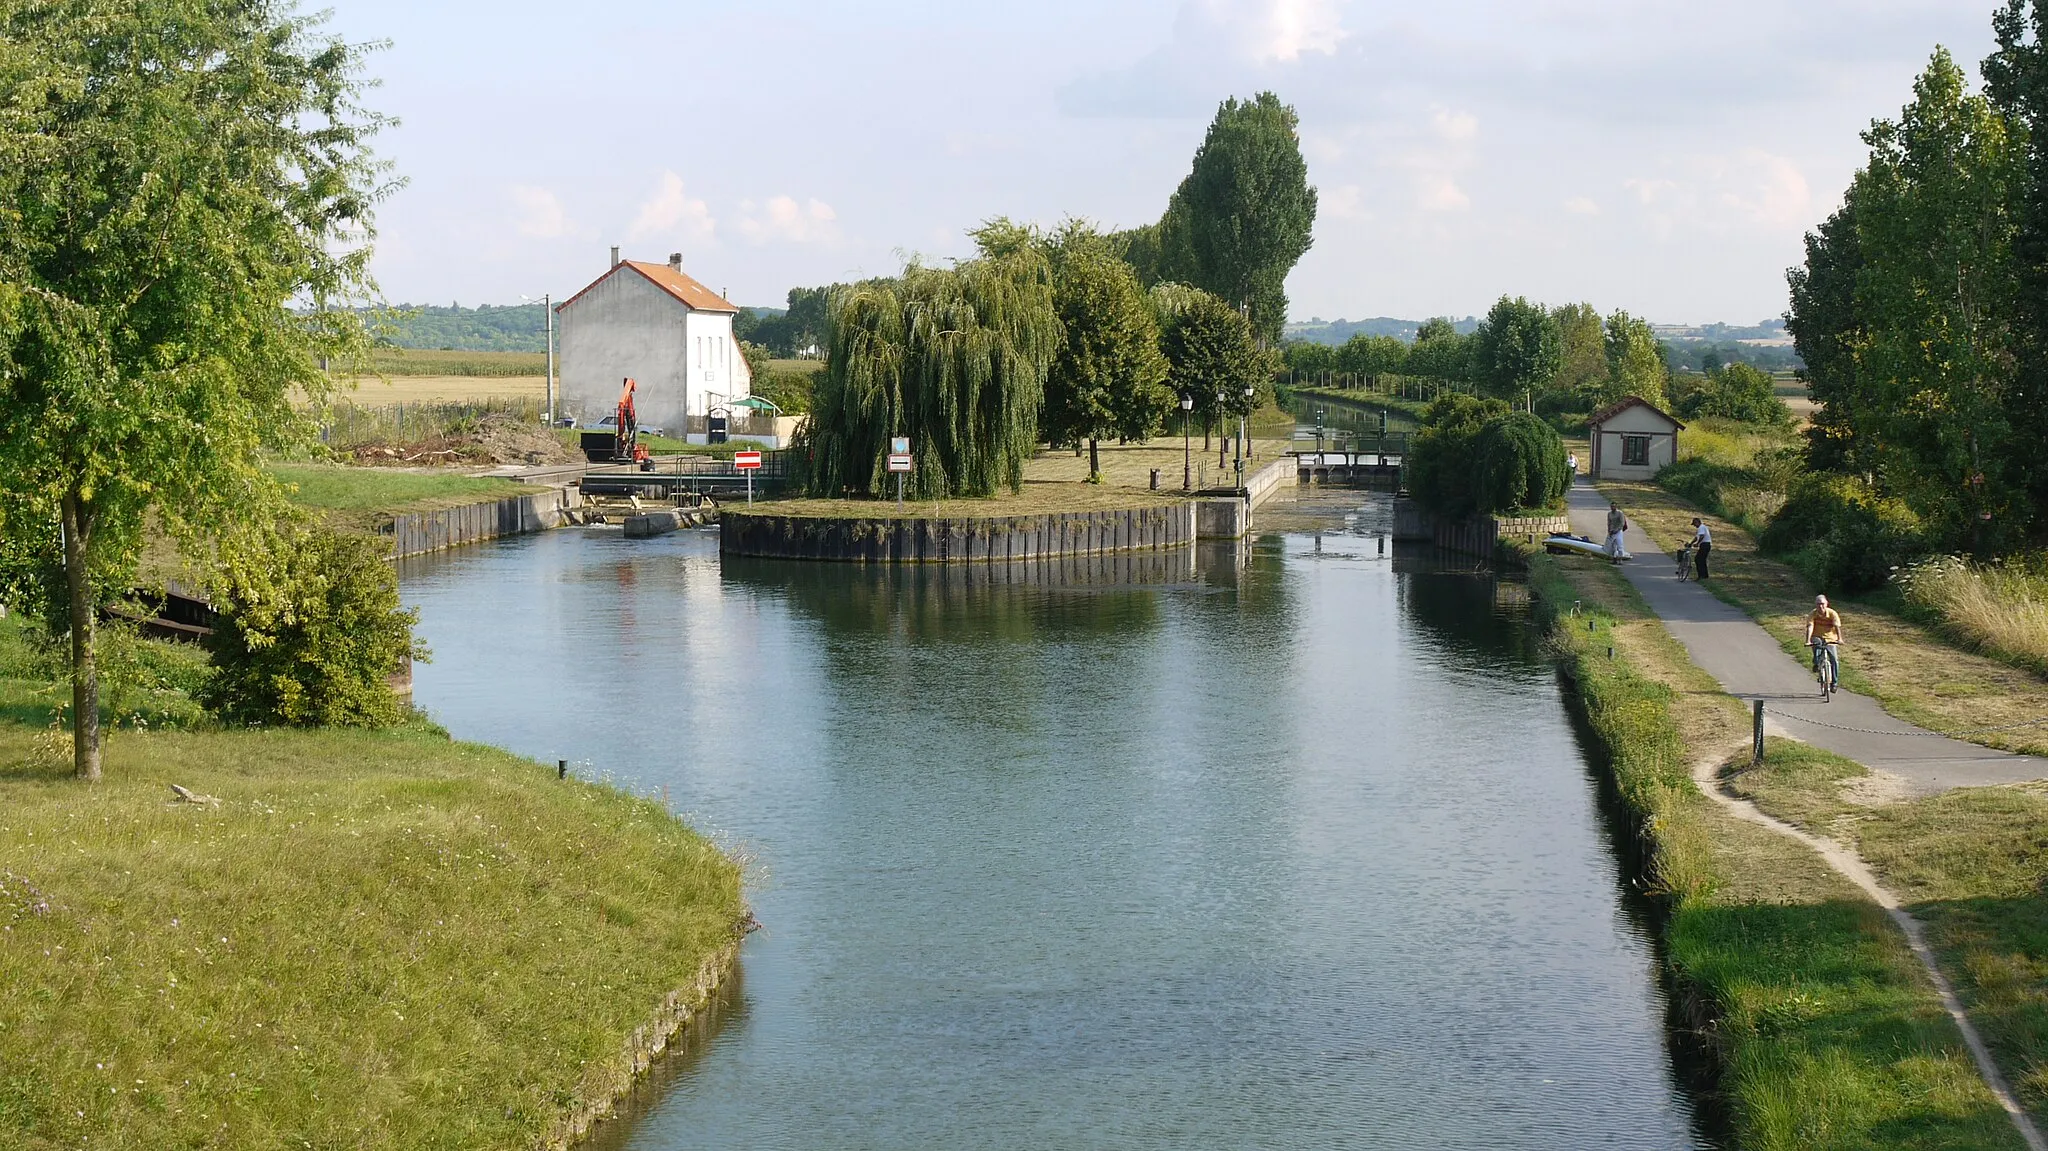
column 1440, row 458
column 1842, row 534
column 1518, row 465
column 1737, row 392
column 310, row 633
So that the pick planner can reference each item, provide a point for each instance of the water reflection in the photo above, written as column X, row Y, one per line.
column 1293, row 853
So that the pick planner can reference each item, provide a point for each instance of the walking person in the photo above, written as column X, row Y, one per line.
column 1571, row 460
column 1703, row 542
column 1617, row 527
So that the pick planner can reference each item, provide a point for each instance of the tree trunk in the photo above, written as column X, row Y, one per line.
column 1094, row 462
column 85, row 674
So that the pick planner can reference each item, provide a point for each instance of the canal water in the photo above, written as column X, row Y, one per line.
column 1297, row 852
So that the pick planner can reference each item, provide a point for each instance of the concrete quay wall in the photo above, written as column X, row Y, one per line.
column 955, row 539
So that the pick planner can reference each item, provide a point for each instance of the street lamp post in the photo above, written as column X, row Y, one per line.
column 1187, row 444
column 1243, row 427
column 1221, row 446
column 547, row 307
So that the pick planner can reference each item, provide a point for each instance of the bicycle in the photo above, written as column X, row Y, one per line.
column 1825, row 662
column 1685, row 560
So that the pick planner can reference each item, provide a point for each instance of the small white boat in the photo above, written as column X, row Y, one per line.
column 1564, row 544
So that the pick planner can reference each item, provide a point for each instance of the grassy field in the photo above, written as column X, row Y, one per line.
column 420, row 362
column 1908, row 667
column 1826, row 1032
column 371, row 392
column 1971, row 864
column 372, row 939
column 362, row 495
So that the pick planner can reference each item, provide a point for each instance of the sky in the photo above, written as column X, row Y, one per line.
column 1663, row 156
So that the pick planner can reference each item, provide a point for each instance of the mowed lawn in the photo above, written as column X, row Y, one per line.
column 371, row 940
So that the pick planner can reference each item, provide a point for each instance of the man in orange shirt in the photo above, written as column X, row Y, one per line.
column 1824, row 626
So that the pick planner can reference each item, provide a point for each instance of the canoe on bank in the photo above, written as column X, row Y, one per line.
column 1566, row 545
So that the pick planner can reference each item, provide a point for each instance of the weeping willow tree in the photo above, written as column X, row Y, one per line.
column 955, row 359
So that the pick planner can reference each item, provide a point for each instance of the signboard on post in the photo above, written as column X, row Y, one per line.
column 899, row 445
column 899, row 463
column 748, row 462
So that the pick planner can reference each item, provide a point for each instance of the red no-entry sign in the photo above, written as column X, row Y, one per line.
column 746, row 461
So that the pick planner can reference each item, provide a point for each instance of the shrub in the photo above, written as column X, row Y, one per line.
column 310, row 634
column 1737, row 392
column 1440, row 464
column 1518, row 462
column 1841, row 534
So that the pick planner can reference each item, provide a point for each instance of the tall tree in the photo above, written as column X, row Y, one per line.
column 1935, row 295
column 1210, row 351
column 1582, row 351
column 1108, row 376
column 2016, row 81
column 1635, row 361
column 1440, row 353
column 173, row 176
column 1826, row 331
column 1517, row 350
column 1245, row 214
column 1372, row 357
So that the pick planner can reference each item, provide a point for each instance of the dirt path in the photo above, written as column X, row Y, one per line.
column 1850, row 866
column 1738, row 652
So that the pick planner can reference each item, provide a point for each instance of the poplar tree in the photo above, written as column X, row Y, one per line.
column 1210, row 352
column 1245, row 214
column 175, row 177
column 1517, row 349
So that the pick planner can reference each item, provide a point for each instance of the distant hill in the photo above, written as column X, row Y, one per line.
column 489, row 328
column 1321, row 331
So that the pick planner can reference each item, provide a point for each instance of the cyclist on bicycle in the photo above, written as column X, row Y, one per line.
column 1824, row 627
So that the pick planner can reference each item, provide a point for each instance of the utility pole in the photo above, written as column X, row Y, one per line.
column 547, row 303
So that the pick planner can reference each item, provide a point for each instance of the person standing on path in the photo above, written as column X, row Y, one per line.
column 1703, row 542
column 1571, row 460
column 1617, row 526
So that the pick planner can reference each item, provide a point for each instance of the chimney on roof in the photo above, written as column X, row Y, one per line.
column 615, row 255
column 675, row 261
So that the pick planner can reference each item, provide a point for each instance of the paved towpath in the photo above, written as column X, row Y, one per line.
column 1737, row 651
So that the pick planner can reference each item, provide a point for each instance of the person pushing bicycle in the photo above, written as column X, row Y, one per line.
column 1824, row 636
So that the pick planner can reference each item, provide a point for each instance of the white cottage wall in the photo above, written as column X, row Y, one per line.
column 1634, row 421
column 624, row 325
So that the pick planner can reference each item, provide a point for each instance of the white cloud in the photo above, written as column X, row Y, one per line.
column 673, row 213
column 1582, row 206
column 1455, row 127
column 1766, row 189
column 1287, row 28
column 538, row 212
column 1439, row 192
column 781, row 218
column 1344, row 202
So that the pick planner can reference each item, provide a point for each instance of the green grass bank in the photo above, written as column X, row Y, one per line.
column 365, row 939
column 359, row 497
column 1823, row 1027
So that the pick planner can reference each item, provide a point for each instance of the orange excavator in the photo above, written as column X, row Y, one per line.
column 624, row 439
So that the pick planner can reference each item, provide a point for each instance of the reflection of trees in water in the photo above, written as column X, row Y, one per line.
column 1009, row 646
column 974, row 602
column 1473, row 613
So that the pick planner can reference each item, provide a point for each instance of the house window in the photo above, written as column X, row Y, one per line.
column 1635, row 451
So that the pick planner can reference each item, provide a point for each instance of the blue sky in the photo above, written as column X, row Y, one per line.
column 1659, row 156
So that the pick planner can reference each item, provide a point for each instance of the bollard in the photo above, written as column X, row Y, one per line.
column 1756, row 751
column 1155, row 479
column 561, row 769
column 1610, row 651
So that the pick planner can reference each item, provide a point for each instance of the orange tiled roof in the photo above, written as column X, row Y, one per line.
column 691, row 293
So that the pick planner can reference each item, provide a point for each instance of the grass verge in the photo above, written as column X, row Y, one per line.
column 1907, row 667
column 1826, row 1032
column 362, row 496
column 1971, row 864
column 373, row 940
